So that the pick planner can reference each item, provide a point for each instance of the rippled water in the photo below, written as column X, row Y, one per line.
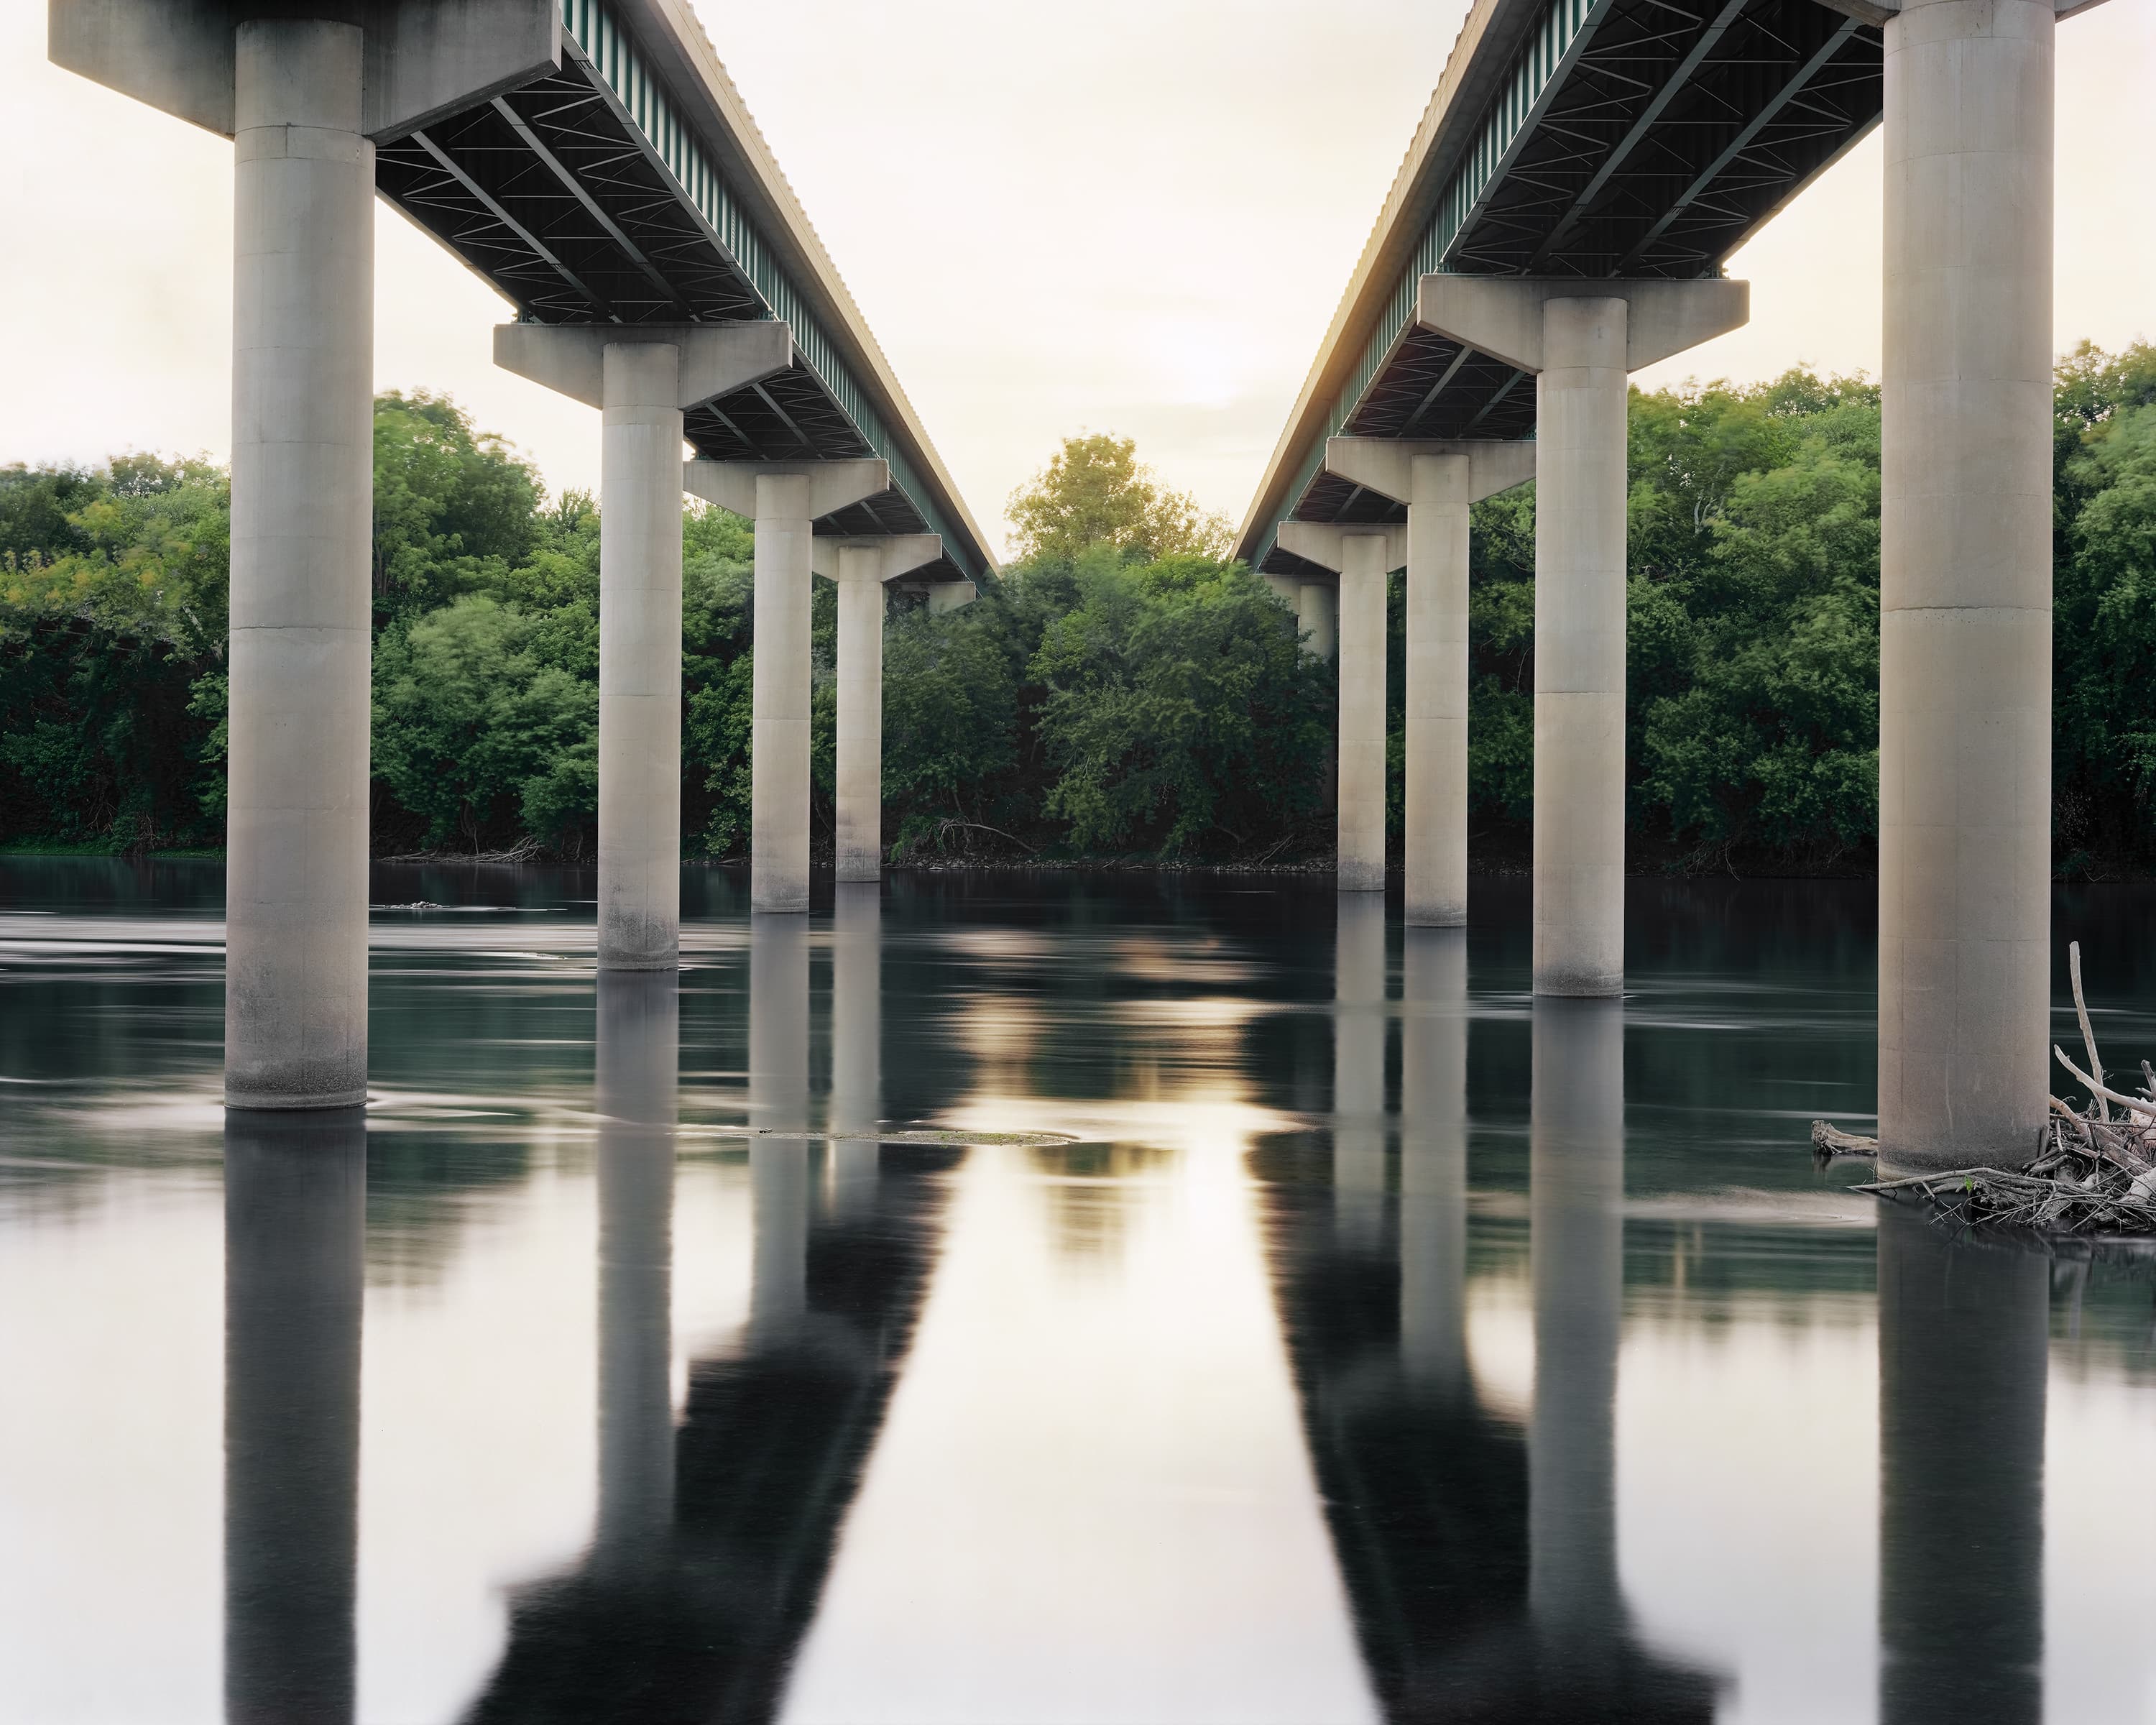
column 1005, row 1299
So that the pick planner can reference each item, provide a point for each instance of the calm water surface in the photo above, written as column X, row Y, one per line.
column 1005, row 1300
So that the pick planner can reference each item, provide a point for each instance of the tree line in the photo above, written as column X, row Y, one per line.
column 1124, row 689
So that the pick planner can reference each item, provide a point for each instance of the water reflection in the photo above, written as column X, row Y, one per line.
column 715, row 1531
column 1963, row 1345
column 295, row 1218
column 637, row 1066
column 1587, row 1662
column 1358, row 1069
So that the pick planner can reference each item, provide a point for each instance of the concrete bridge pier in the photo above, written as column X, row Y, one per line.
column 1965, row 583
column 1581, row 341
column 1361, row 557
column 303, row 98
column 785, row 499
column 863, row 568
column 642, row 377
column 1437, row 481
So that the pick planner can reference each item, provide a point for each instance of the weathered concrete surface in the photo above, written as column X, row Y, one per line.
column 641, row 378
column 785, row 499
column 421, row 58
column 1438, row 481
column 863, row 569
column 1581, row 339
column 301, row 646
column 1965, row 584
column 1363, row 557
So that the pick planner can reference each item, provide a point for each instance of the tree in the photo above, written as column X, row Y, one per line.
column 1094, row 491
column 1180, row 709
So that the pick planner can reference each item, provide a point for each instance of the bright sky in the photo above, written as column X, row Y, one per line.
column 1140, row 227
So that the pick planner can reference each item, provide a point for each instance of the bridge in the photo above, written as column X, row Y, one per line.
column 591, row 160
column 1562, row 218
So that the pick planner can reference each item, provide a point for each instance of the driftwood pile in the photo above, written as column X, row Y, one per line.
column 2094, row 1175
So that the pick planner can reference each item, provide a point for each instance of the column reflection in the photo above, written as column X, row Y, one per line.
column 1434, row 1159
column 778, row 1109
column 1358, row 1069
column 295, row 1222
column 1964, row 1338
column 856, row 1044
column 637, row 1083
column 1588, row 1663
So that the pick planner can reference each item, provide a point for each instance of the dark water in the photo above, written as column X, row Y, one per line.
column 1340, row 1334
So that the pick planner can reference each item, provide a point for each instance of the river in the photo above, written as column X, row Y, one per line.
column 1009, row 1298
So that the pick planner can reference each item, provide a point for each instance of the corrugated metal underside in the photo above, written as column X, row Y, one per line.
column 1632, row 137
column 560, row 197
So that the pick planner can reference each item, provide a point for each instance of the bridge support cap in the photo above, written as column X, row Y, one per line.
column 895, row 554
column 421, row 58
column 833, row 485
column 1386, row 465
column 1501, row 315
column 717, row 358
column 1324, row 543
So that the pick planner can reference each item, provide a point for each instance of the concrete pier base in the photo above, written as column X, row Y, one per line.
column 1438, row 481
column 1965, row 584
column 302, row 487
column 1581, row 341
column 785, row 499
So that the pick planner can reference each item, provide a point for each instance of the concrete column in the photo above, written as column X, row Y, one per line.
column 1361, row 867
column 1434, row 1159
column 640, row 658
column 1964, row 1339
column 778, row 1110
column 778, row 815
column 1965, row 583
column 1316, row 617
column 1358, row 1071
column 856, row 1045
column 1581, row 346
column 1436, row 741
column 294, row 1229
column 302, row 513
column 637, row 1090
column 860, row 713
column 1581, row 438
column 1576, row 1235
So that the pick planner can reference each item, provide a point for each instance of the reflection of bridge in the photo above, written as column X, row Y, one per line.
column 1561, row 220
column 593, row 162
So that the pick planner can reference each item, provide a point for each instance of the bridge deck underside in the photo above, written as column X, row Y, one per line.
column 552, row 194
column 1665, row 139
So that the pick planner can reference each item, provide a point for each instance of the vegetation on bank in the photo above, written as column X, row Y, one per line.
column 1125, row 689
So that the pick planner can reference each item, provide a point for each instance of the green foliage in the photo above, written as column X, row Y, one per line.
column 1178, row 706
column 2104, row 594
column 1094, row 492
column 454, row 511
column 472, row 730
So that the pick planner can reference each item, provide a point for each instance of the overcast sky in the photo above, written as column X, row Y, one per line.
column 1142, row 226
